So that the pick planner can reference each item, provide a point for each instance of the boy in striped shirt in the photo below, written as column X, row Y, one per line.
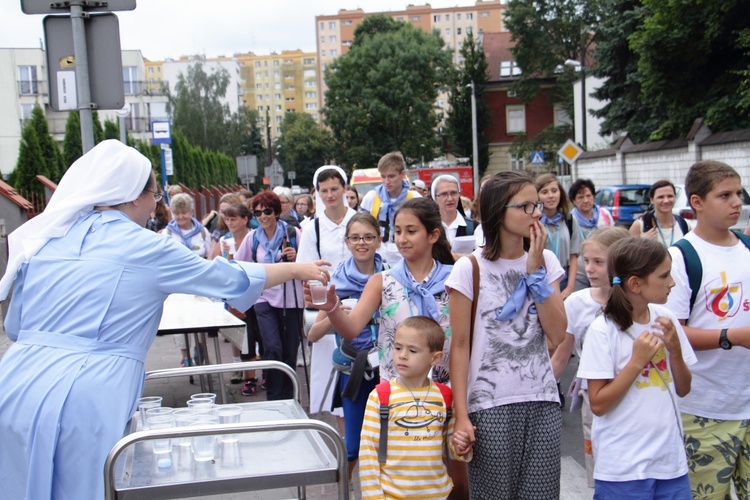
column 411, row 462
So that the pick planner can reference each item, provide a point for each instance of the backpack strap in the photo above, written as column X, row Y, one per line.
column 384, row 395
column 569, row 223
column 648, row 221
column 448, row 400
column 291, row 234
column 375, row 208
column 255, row 247
column 683, row 224
column 475, row 300
column 316, row 223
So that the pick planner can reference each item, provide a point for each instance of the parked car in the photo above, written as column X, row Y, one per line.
column 682, row 208
column 626, row 202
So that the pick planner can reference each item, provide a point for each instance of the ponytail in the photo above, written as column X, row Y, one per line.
column 441, row 250
column 618, row 308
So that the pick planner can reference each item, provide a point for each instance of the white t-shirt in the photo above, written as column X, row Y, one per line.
column 640, row 437
column 332, row 244
column 721, row 390
column 509, row 359
column 581, row 310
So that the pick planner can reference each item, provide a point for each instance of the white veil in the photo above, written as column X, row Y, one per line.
column 319, row 204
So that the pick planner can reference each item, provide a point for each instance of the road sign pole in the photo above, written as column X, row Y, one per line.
column 164, row 174
column 82, row 77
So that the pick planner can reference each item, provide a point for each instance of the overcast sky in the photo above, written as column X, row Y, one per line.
column 172, row 28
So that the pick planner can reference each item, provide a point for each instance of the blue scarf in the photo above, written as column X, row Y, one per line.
column 273, row 247
column 186, row 237
column 387, row 208
column 554, row 221
column 534, row 284
column 349, row 280
column 583, row 221
column 423, row 295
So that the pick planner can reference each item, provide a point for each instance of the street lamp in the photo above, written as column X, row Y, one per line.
column 582, row 68
column 474, row 141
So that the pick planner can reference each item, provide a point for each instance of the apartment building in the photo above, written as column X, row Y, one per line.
column 23, row 84
column 276, row 84
column 335, row 33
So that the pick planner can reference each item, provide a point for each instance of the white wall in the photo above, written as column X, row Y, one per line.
column 594, row 141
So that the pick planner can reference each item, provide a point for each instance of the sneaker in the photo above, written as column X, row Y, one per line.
column 249, row 388
column 236, row 377
column 263, row 384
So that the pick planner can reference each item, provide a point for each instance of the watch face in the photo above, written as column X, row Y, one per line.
column 725, row 344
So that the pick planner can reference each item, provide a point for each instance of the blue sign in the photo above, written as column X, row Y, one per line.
column 161, row 132
column 537, row 158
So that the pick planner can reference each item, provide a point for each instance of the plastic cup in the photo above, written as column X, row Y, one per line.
column 318, row 292
column 202, row 405
column 229, row 414
column 350, row 303
column 144, row 404
column 183, row 418
column 165, row 421
column 205, row 395
column 159, row 412
column 204, row 447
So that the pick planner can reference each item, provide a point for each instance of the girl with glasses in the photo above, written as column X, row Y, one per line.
column 505, row 394
column 350, row 278
column 304, row 206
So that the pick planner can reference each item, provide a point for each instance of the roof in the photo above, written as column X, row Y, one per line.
column 10, row 193
column 497, row 48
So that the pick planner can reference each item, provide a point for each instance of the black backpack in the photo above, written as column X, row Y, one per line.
column 649, row 221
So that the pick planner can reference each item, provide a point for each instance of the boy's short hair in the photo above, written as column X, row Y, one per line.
column 704, row 175
column 393, row 160
column 429, row 328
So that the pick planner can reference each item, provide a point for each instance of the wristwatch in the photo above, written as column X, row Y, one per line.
column 724, row 342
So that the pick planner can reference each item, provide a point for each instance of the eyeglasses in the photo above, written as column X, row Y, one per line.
column 369, row 239
column 528, row 207
column 265, row 211
column 301, row 205
column 450, row 194
column 157, row 195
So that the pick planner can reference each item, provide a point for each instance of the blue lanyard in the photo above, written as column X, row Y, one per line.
column 556, row 245
column 658, row 228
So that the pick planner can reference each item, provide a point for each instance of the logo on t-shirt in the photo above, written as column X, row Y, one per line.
column 656, row 372
column 723, row 299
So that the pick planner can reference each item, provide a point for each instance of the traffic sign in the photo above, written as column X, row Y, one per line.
column 168, row 163
column 51, row 7
column 161, row 132
column 570, row 151
column 537, row 158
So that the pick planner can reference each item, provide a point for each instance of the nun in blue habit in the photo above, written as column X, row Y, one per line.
column 88, row 283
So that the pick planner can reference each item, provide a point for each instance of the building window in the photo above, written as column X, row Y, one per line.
column 289, row 87
column 315, row 117
column 275, row 62
column 322, row 53
column 277, row 86
column 309, row 73
column 516, row 118
column 322, row 25
column 130, row 79
column 484, row 14
column 279, row 118
column 257, row 64
column 458, row 16
column 27, row 80
column 310, row 95
column 288, row 77
column 308, row 60
column 331, row 25
column 290, row 99
column 562, row 118
column 346, row 23
column 469, row 30
column 268, row 97
column 151, row 69
column 447, row 32
column 259, row 97
column 436, row 18
column 258, row 75
column 469, row 16
column 266, row 86
column 277, row 96
column 322, row 39
column 517, row 162
column 278, row 130
column 309, row 83
column 415, row 19
column 277, row 74
column 26, row 110
column 260, row 109
column 447, row 17
column 265, row 64
column 278, row 107
column 331, row 39
column 346, row 43
column 509, row 68
column 334, row 52
column 311, row 105
column 458, row 31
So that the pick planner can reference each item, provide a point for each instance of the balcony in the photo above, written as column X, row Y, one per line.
column 32, row 87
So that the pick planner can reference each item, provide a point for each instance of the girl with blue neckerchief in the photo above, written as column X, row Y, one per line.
column 563, row 232
column 350, row 278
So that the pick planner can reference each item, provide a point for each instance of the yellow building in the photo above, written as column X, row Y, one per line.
column 335, row 33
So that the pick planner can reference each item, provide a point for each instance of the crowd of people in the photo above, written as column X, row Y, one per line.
column 444, row 332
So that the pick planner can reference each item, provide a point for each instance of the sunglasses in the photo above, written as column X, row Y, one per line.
column 265, row 211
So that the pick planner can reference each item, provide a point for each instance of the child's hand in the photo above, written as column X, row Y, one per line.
column 667, row 332
column 644, row 348
column 462, row 442
column 537, row 241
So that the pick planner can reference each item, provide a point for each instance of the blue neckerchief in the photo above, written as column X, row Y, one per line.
column 554, row 221
column 186, row 237
column 387, row 208
column 273, row 247
column 349, row 280
column 583, row 221
column 534, row 283
column 424, row 295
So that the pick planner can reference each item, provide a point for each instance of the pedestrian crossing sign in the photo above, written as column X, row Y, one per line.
column 537, row 158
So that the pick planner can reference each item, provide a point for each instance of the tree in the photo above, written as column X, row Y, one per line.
column 198, row 110
column 303, row 146
column 72, row 146
column 31, row 162
column 97, row 125
column 111, row 129
column 546, row 34
column 52, row 158
column 381, row 94
column 244, row 137
column 459, row 121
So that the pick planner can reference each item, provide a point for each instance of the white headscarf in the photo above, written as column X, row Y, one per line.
column 444, row 178
column 320, row 205
column 110, row 174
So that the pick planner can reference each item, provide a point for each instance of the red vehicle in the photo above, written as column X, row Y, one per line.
column 464, row 174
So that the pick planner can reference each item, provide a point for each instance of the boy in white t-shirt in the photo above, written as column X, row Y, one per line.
column 716, row 413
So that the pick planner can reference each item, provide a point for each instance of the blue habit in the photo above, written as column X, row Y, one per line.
column 84, row 312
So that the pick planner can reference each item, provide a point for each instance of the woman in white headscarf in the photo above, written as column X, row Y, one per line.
column 323, row 238
column 88, row 287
